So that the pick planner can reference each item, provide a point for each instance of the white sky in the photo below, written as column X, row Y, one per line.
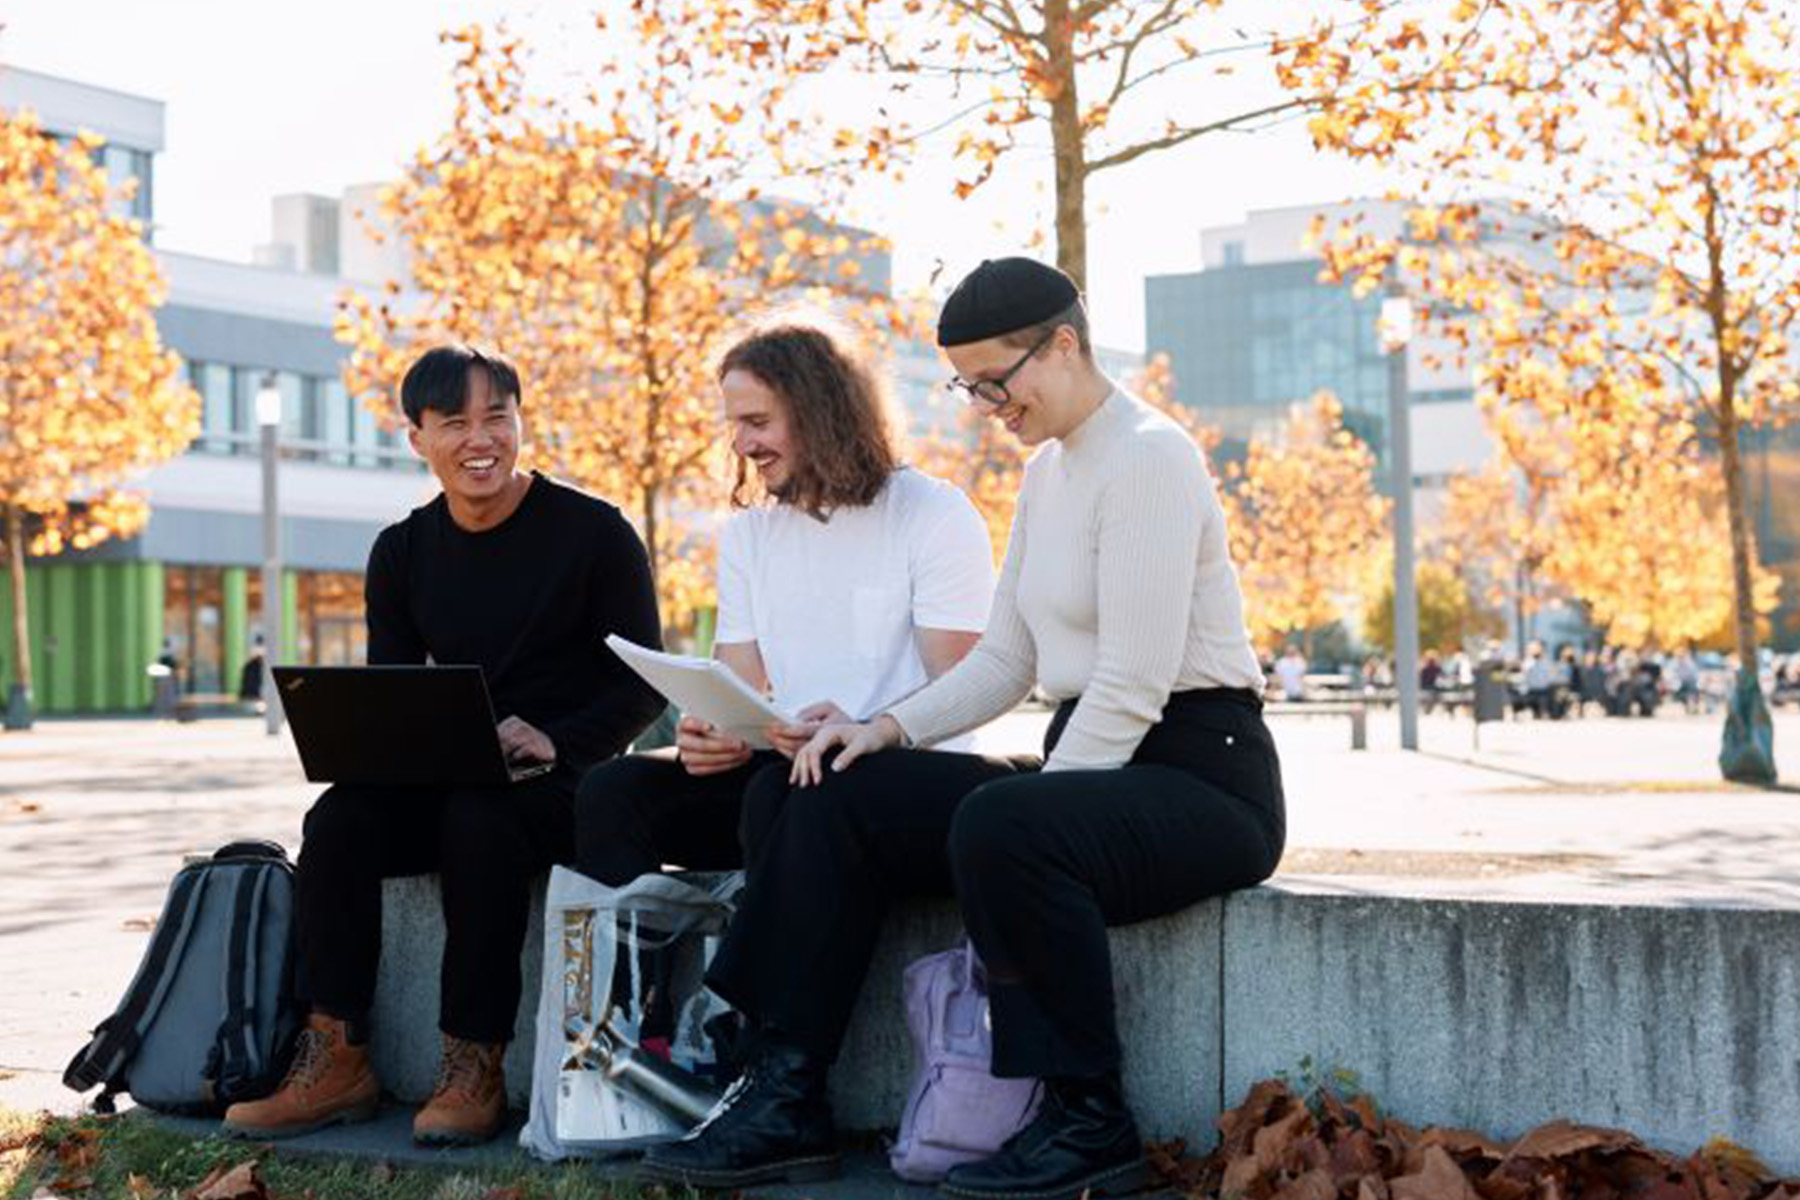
column 266, row 98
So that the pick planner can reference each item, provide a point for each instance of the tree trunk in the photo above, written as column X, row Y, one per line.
column 1743, row 589
column 650, row 533
column 1066, row 137
column 1730, row 460
column 15, row 555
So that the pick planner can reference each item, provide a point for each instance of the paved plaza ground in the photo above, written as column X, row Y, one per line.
column 95, row 816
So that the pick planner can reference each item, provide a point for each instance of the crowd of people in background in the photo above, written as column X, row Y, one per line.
column 1545, row 683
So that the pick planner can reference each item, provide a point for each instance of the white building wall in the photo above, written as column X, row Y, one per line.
column 232, row 483
column 65, row 106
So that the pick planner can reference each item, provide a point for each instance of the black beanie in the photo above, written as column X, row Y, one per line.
column 1001, row 295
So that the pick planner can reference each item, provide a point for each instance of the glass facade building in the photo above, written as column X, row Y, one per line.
column 1255, row 331
column 1246, row 341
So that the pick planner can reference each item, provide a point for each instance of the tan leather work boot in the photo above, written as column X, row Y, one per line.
column 330, row 1082
column 469, row 1103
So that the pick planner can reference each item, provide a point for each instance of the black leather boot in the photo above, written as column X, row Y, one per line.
column 772, row 1125
column 1082, row 1140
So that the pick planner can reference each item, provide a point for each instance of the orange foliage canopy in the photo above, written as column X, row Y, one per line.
column 1305, row 521
column 1607, row 215
column 609, row 246
column 1103, row 82
column 88, row 396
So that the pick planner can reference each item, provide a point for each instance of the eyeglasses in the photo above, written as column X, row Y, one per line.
column 993, row 391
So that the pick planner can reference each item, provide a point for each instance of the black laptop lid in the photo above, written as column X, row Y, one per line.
column 394, row 726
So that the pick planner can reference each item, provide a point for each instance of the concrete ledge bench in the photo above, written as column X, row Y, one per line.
column 1356, row 710
column 1678, row 1023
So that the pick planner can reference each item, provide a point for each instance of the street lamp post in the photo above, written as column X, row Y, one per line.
column 1396, row 332
column 268, row 419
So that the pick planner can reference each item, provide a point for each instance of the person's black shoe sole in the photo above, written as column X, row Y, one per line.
column 1121, row 1180
column 816, row 1169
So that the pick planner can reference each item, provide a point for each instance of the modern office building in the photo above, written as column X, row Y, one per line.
column 1254, row 331
column 190, row 580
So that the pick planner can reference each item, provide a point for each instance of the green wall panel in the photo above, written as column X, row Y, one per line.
column 35, row 610
column 93, row 628
column 150, row 615
column 234, row 623
column 290, row 620
column 121, row 620
column 7, row 674
column 91, row 655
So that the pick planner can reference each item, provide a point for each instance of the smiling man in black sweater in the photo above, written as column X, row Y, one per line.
column 524, row 577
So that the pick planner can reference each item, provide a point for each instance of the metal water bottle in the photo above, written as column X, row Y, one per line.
column 680, row 1093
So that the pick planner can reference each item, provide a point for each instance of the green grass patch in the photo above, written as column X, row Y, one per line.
column 132, row 1158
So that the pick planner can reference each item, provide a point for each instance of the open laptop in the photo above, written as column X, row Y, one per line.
column 397, row 726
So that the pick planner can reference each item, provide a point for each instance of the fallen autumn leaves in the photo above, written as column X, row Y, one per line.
column 1274, row 1146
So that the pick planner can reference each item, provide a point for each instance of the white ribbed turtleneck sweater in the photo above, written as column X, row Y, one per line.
column 1117, row 588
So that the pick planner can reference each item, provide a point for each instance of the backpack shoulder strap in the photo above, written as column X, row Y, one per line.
column 116, row 1039
column 238, row 1059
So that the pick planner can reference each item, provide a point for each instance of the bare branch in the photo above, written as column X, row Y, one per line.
column 1179, row 136
column 998, row 15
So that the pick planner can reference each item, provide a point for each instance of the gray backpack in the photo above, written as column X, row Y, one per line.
column 209, row 1018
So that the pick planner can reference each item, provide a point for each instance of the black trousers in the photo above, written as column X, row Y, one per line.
column 634, row 814
column 1041, row 862
column 486, row 844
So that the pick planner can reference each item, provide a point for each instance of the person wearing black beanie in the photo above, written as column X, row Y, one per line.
column 1159, row 784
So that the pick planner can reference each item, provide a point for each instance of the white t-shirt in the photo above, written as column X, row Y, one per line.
column 833, row 606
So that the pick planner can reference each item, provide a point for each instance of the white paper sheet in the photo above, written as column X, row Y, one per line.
column 704, row 688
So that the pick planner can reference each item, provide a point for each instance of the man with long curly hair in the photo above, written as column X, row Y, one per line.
column 849, row 583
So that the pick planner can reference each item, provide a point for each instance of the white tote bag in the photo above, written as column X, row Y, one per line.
column 593, row 1089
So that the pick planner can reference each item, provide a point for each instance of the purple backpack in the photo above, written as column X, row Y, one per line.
column 956, row 1111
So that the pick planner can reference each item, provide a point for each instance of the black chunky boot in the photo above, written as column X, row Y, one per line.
column 772, row 1125
column 1082, row 1140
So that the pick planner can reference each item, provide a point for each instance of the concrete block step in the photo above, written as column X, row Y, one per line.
column 1679, row 1023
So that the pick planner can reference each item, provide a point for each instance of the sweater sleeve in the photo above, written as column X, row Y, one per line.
column 1148, row 537
column 991, row 678
column 393, row 637
column 622, row 600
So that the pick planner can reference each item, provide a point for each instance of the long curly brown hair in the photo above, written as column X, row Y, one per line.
column 835, row 409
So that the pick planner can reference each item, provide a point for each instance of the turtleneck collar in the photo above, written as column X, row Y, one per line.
column 1093, row 429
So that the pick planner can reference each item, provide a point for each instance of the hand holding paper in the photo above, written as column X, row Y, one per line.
column 704, row 688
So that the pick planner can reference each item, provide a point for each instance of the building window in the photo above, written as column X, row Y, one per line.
column 335, row 420
column 193, row 619
column 244, row 384
column 125, row 166
column 332, row 630
column 213, row 382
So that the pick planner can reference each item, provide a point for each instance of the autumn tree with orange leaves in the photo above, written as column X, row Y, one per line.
column 1304, row 520
column 88, row 395
column 1497, row 526
column 609, row 245
column 1101, row 81
column 1607, row 206
column 1640, row 536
